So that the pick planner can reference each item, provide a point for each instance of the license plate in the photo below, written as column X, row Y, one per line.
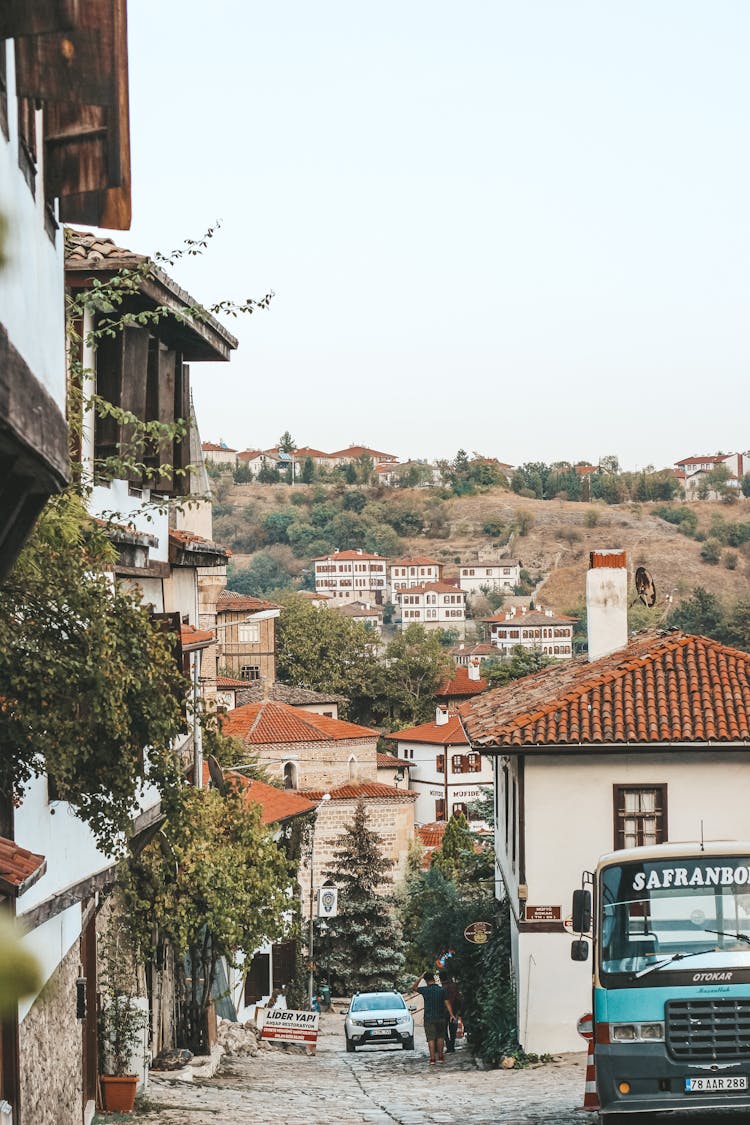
column 381, row 1031
column 715, row 1085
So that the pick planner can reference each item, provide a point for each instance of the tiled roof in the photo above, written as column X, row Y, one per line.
column 349, row 555
column 440, row 734
column 308, row 451
column 268, row 722
column 188, row 541
column 709, row 459
column 481, row 649
column 363, row 450
column 229, row 601
column 256, row 692
column 249, row 454
column 432, row 588
column 366, row 789
column 658, row 689
column 460, row 684
column 276, row 805
column 416, row 560
column 227, row 683
column 357, row 609
column 192, row 638
column 19, row 868
column 390, row 762
column 431, row 835
column 532, row 618
column 211, row 447
column 82, row 247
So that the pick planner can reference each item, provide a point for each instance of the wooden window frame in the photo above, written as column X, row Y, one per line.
column 618, row 807
column 457, row 763
column 440, row 763
column 440, row 809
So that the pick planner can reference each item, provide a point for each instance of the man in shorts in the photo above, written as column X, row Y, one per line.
column 436, row 1004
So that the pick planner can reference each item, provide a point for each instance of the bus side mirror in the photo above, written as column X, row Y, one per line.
column 582, row 911
column 579, row 951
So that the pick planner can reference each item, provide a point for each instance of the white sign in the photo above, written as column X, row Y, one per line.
column 289, row 1026
column 328, row 902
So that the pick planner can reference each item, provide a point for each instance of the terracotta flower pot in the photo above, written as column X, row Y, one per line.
column 118, row 1092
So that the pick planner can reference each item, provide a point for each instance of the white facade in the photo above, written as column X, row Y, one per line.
column 444, row 772
column 349, row 576
column 475, row 578
column 539, row 629
column 219, row 454
column 436, row 605
column 406, row 573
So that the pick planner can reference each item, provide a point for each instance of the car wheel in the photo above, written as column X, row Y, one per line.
column 349, row 1045
column 408, row 1044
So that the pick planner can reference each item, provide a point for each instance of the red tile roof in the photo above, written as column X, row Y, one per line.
column 276, row 805
column 374, row 790
column 180, row 540
column 439, row 734
column 349, row 555
column 211, row 447
column 431, row 835
column 658, row 689
column 416, row 560
column 19, row 868
column 532, row 617
column 249, row 454
column 709, row 459
column 266, row 723
column 460, row 685
column 229, row 601
column 308, row 451
column 226, row 683
column 390, row 762
column 363, row 450
column 192, row 638
column 432, row 588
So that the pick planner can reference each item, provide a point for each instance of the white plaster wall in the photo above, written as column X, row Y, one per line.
column 32, row 304
column 181, row 593
column 569, row 824
column 49, row 944
column 150, row 588
column 115, row 502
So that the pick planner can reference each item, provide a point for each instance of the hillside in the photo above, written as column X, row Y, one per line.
column 552, row 538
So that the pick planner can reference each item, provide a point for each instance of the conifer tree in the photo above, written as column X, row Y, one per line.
column 362, row 948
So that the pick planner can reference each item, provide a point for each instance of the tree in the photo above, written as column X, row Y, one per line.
column 86, row 679
column 415, row 665
column 745, row 485
column 287, row 444
column 456, row 848
column 308, row 471
column 264, row 575
column 363, row 946
column 523, row 662
column 320, row 650
column 218, row 886
column 701, row 614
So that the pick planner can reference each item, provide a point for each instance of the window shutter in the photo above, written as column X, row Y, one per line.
column 181, row 455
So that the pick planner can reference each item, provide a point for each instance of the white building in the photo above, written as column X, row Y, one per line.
column 691, row 472
column 535, row 629
column 479, row 577
column 413, row 571
column 643, row 742
column 220, row 454
column 444, row 771
column 436, row 605
column 350, row 576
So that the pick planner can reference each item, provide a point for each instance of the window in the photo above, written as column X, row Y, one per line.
column 640, row 815
column 440, row 808
column 459, row 809
column 473, row 764
column 27, row 153
column 249, row 672
column 457, row 763
column 440, row 763
column 249, row 634
column 290, row 775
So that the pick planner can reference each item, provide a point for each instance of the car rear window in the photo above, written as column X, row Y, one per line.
column 377, row 1002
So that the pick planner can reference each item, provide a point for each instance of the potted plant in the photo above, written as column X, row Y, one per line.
column 121, row 1027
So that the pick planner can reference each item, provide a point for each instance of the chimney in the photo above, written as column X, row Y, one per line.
column 474, row 669
column 606, row 602
column 441, row 716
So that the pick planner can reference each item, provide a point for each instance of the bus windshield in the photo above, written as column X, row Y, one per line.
column 651, row 911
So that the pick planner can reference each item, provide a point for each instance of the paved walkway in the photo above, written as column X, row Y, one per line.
column 375, row 1086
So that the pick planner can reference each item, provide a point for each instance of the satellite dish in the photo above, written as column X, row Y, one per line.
column 217, row 773
column 645, row 587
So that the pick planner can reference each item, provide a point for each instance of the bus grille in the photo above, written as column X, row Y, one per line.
column 708, row 1029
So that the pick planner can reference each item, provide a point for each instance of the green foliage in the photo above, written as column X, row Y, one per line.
column 711, row 551
column 523, row 662
column 363, row 946
column 242, row 474
column 121, row 1023
column 287, row 444
column 682, row 517
column 86, row 681
column 264, row 575
column 745, row 485
column 208, row 901
column 415, row 665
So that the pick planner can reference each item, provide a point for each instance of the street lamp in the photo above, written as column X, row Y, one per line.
column 325, row 797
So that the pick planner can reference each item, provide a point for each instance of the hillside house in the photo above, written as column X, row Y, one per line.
column 235, row 693
column 354, row 453
column 365, row 614
column 642, row 742
column 691, row 473
column 481, row 577
column 220, row 455
column 246, row 634
column 350, row 576
column 540, row 630
column 413, row 571
column 465, row 654
column 436, row 605
column 253, row 459
column 464, row 684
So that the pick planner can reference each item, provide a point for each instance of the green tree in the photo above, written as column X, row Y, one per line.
column 745, row 485
column 522, row 662
column 701, row 614
column 414, row 667
column 308, row 471
column 456, row 850
column 320, row 650
column 264, row 575
column 215, row 884
column 86, row 680
column 275, row 525
column 287, row 444
column 363, row 947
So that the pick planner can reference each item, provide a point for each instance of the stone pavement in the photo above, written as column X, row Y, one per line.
column 380, row 1085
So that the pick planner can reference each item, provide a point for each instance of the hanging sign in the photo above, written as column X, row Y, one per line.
column 478, row 933
column 285, row 1025
column 543, row 913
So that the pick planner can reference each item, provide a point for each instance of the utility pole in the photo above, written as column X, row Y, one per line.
column 311, row 934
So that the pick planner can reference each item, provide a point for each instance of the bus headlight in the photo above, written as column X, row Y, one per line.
column 636, row 1032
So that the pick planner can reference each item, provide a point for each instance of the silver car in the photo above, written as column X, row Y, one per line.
column 379, row 1017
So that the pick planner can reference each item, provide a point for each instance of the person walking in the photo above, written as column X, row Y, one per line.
column 436, row 1005
column 452, row 996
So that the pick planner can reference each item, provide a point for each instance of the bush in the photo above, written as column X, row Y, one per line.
column 730, row 560
column 591, row 518
column 711, row 551
column 495, row 528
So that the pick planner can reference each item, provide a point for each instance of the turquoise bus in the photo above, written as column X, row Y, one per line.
column 670, row 929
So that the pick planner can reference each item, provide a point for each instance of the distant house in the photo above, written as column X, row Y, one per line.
column 464, row 684
column 245, row 628
column 253, row 459
column 413, row 571
column 691, row 473
column 465, row 654
column 436, row 605
column 348, row 576
column 219, row 454
column 364, row 613
column 542, row 629
column 476, row 578
column 353, row 453
column 408, row 474
column 319, row 459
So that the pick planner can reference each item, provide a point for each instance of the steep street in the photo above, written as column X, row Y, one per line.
column 377, row 1086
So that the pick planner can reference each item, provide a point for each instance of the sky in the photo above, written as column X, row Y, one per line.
column 521, row 229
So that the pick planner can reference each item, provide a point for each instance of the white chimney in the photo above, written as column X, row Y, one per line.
column 606, row 602
column 441, row 716
column 474, row 669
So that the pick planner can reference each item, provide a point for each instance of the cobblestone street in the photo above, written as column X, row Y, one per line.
column 377, row 1086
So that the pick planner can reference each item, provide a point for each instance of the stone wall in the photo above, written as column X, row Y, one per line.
column 51, row 1051
column 323, row 765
